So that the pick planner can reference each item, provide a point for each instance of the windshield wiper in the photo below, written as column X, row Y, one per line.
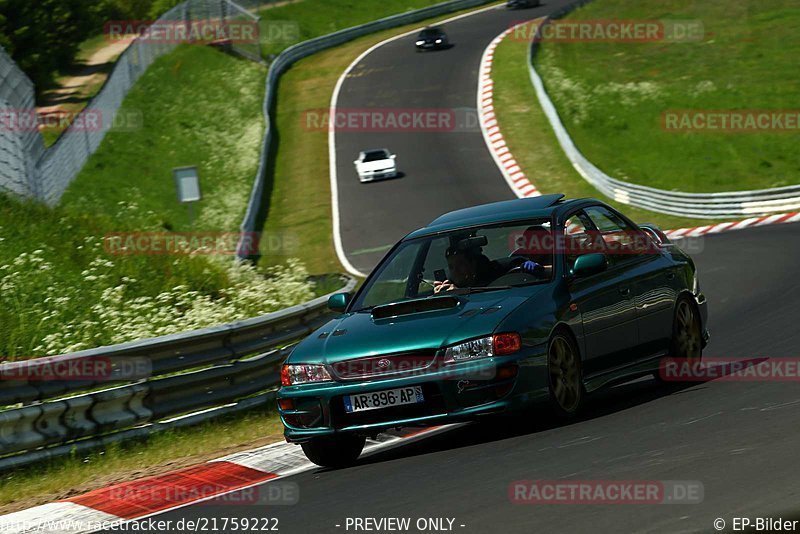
column 532, row 283
column 479, row 289
column 456, row 291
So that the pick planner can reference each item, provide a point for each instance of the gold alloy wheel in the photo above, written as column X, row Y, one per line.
column 565, row 377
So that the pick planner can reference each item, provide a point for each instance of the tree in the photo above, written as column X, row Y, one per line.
column 43, row 35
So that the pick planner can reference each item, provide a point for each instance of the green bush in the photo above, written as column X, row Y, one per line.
column 43, row 35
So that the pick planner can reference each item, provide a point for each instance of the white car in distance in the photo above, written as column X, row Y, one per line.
column 375, row 164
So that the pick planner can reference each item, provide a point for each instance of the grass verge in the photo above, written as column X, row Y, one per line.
column 533, row 143
column 197, row 106
column 161, row 453
column 612, row 95
column 61, row 290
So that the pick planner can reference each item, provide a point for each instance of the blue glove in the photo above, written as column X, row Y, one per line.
column 531, row 266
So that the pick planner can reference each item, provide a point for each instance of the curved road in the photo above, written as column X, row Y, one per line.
column 739, row 439
column 442, row 170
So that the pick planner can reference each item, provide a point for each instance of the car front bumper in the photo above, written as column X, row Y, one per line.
column 368, row 177
column 452, row 393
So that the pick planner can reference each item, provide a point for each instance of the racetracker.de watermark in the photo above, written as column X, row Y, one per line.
column 86, row 120
column 606, row 492
column 85, row 368
column 200, row 31
column 403, row 120
column 610, row 31
column 277, row 493
column 469, row 374
column 201, row 243
column 280, row 31
column 730, row 369
column 731, row 120
column 545, row 242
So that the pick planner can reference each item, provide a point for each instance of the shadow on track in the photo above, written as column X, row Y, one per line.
column 537, row 419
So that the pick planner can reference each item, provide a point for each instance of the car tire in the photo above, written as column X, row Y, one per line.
column 565, row 378
column 334, row 451
column 687, row 337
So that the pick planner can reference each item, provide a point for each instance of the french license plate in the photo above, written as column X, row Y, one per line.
column 383, row 399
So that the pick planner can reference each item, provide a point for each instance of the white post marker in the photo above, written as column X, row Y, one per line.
column 187, row 184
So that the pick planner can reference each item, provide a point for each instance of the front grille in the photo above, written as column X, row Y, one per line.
column 433, row 405
column 391, row 365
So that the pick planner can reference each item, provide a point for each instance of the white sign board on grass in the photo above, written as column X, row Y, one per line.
column 187, row 183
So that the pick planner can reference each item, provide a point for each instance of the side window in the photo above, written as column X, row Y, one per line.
column 578, row 239
column 621, row 239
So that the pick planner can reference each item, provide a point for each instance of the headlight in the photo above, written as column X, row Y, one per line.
column 438, row 41
column 485, row 347
column 420, row 42
column 292, row 375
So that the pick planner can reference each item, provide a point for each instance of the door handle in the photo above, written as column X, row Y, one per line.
column 670, row 275
column 625, row 291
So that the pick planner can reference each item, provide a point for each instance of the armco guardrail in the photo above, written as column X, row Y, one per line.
column 302, row 50
column 724, row 205
column 188, row 377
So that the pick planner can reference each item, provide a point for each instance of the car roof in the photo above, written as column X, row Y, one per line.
column 497, row 212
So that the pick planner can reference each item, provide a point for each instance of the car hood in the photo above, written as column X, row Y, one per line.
column 357, row 335
column 376, row 165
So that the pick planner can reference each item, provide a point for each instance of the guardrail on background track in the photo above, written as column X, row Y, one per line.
column 724, row 205
column 305, row 49
column 190, row 377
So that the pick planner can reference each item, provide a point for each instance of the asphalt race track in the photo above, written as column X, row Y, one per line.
column 441, row 170
column 739, row 439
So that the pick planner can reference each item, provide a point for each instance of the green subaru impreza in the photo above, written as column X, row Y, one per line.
column 491, row 309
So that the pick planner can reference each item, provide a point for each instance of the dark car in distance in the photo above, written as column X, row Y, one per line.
column 432, row 38
column 520, row 4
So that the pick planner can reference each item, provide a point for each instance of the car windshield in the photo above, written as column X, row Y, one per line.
column 475, row 259
column 430, row 32
column 375, row 155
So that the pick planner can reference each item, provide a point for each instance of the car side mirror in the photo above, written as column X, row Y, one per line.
column 339, row 301
column 355, row 161
column 393, row 156
column 589, row 264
